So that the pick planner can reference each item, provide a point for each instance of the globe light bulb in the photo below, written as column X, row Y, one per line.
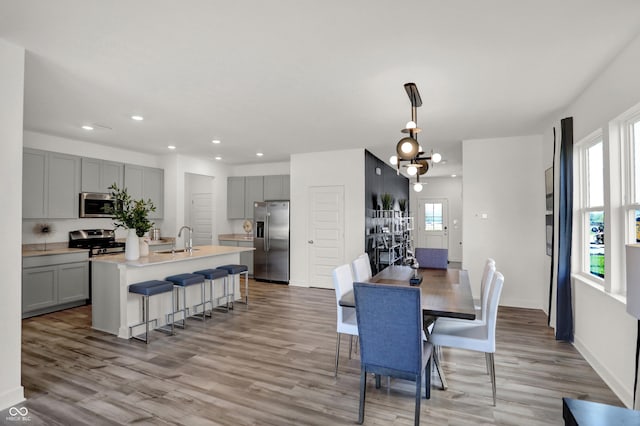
column 411, row 125
column 417, row 187
column 412, row 170
column 406, row 147
column 436, row 158
column 393, row 160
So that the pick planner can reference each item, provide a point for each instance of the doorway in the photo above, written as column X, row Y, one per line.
column 433, row 223
column 326, row 234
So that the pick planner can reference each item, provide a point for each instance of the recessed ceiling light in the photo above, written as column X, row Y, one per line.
column 215, row 141
column 454, row 175
column 259, row 154
column 171, row 147
column 218, row 158
column 86, row 127
column 137, row 117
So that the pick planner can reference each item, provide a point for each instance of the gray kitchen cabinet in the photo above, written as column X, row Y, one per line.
column 246, row 258
column 144, row 183
column 235, row 197
column 51, row 183
column 54, row 282
column 276, row 187
column 99, row 175
column 253, row 191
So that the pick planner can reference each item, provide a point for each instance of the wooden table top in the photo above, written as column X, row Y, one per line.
column 445, row 292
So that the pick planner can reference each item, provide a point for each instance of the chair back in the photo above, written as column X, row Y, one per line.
column 492, row 309
column 485, row 287
column 361, row 268
column 434, row 258
column 343, row 283
column 389, row 326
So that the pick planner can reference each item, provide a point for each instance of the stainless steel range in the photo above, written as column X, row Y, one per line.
column 97, row 241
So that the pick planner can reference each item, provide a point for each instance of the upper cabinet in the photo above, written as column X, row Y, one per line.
column 50, row 185
column 99, row 175
column 146, row 182
column 253, row 191
column 276, row 187
column 243, row 191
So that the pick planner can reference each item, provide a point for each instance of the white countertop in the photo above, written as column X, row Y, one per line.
column 178, row 256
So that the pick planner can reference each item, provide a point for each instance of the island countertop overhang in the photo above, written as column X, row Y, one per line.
column 156, row 258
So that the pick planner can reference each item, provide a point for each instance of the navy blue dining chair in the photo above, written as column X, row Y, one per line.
column 391, row 342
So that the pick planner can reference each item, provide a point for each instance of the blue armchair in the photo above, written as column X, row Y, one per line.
column 391, row 343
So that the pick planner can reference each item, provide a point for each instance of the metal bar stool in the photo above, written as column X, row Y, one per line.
column 147, row 289
column 211, row 275
column 235, row 271
column 182, row 281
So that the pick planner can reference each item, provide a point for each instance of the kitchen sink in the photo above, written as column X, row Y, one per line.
column 175, row 251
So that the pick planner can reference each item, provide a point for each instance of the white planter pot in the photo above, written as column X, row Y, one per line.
column 132, row 246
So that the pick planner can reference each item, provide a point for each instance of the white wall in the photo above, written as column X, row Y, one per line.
column 604, row 333
column 11, row 107
column 345, row 168
column 504, row 179
column 451, row 189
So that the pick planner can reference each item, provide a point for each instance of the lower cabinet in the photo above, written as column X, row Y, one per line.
column 54, row 282
column 246, row 258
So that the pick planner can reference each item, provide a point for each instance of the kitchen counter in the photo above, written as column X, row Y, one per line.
column 114, row 309
column 30, row 250
column 235, row 237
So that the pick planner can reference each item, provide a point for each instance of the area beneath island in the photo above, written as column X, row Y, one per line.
column 114, row 309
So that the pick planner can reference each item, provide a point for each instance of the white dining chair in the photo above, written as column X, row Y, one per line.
column 475, row 337
column 346, row 317
column 361, row 268
column 487, row 278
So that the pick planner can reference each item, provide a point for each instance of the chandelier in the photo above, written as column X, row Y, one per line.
column 409, row 152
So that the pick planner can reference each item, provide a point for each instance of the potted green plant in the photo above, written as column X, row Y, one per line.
column 402, row 203
column 132, row 215
column 387, row 201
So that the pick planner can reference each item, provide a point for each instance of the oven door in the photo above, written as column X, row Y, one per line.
column 94, row 204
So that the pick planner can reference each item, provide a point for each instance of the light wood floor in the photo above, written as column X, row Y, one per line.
column 273, row 365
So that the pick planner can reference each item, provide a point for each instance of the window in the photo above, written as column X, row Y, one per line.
column 630, row 137
column 433, row 217
column 590, row 206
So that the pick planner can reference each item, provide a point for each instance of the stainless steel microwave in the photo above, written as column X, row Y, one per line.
column 94, row 204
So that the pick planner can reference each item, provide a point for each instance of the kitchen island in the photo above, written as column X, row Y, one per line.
column 114, row 309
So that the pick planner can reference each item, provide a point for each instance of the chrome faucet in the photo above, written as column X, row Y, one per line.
column 188, row 243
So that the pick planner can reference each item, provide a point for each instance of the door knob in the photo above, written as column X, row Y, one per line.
column 310, row 241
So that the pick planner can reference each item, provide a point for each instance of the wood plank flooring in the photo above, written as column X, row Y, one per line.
column 272, row 364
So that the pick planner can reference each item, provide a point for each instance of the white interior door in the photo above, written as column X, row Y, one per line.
column 201, row 219
column 326, row 233
column 432, row 223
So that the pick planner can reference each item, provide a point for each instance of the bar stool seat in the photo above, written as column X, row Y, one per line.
column 182, row 281
column 211, row 275
column 147, row 289
column 234, row 271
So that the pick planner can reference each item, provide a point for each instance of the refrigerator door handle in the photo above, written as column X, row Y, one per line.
column 266, row 233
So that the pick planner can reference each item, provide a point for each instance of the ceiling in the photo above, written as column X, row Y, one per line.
column 294, row 76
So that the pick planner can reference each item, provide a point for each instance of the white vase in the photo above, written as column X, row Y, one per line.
column 132, row 246
column 144, row 246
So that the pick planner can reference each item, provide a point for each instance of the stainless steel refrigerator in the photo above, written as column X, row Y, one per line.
column 271, row 241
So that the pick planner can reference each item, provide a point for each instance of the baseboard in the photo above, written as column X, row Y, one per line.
column 616, row 386
column 11, row 397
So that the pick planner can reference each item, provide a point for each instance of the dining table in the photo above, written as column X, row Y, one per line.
column 444, row 293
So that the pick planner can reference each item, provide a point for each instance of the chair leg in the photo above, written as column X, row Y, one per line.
column 427, row 379
column 378, row 381
column 492, row 368
column 486, row 359
column 363, row 390
column 350, row 344
column 416, row 418
column 337, row 354
column 436, row 361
